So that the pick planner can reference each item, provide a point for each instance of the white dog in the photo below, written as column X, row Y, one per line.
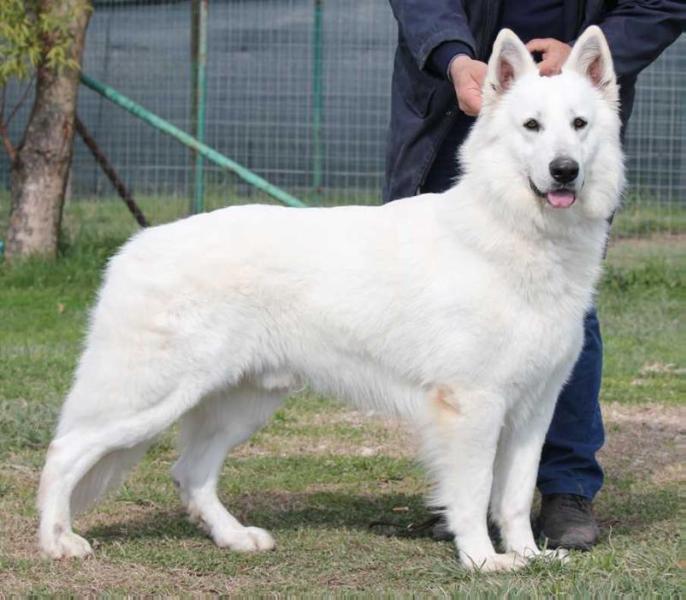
column 462, row 311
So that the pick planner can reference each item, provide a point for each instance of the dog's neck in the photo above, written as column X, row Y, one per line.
column 553, row 254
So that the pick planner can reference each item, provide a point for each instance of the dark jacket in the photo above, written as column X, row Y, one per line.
column 424, row 106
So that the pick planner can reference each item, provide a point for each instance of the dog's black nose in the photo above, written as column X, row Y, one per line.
column 564, row 169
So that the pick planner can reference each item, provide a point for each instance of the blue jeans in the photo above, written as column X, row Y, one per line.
column 568, row 464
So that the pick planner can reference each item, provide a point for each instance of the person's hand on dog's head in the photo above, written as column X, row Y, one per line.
column 468, row 77
column 554, row 53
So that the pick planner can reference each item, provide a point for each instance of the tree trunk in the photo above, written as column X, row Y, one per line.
column 40, row 170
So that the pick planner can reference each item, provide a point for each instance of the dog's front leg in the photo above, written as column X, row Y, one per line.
column 516, row 468
column 460, row 439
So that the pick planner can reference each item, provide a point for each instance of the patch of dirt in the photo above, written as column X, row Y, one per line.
column 645, row 442
column 375, row 436
column 649, row 241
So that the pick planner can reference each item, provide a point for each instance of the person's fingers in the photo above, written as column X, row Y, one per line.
column 468, row 79
column 549, row 66
column 469, row 102
column 540, row 45
column 470, row 111
column 479, row 73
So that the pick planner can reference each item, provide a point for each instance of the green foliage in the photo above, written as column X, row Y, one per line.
column 35, row 33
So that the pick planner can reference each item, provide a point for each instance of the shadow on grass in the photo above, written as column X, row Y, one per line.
column 388, row 515
column 282, row 511
column 620, row 511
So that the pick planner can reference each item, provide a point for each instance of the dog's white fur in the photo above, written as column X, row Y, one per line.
column 462, row 311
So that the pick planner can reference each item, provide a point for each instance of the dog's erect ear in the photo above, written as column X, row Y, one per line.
column 591, row 58
column 509, row 61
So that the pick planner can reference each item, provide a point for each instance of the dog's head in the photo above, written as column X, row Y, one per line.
column 550, row 144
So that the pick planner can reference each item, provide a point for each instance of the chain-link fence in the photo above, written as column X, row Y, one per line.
column 298, row 91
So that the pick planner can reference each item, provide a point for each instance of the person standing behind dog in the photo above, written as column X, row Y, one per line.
column 441, row 54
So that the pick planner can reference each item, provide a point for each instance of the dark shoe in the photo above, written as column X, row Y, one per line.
column 567, row 521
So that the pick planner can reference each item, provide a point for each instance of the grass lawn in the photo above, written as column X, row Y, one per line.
column 320, row 474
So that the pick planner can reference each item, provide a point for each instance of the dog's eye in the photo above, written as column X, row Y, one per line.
column 579, row 123
column 532, row 125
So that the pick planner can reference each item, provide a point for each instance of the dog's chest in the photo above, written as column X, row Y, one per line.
column 524, row 325
column 539, row 344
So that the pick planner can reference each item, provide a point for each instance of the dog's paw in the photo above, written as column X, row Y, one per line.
column 247, row 539
column 66, row 545
column 510, row 561
column 554, row 555
column 545, row 555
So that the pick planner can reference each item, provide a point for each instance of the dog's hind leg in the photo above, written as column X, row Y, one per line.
column 69, row 458
column 208, row 432
column 90, row 453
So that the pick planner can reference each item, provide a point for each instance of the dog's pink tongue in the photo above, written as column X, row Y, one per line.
column 561, row 199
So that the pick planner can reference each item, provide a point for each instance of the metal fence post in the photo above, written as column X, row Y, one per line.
column 317, row 95
column 199, row 10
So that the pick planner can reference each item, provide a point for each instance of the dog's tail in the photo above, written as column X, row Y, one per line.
column 108, row 473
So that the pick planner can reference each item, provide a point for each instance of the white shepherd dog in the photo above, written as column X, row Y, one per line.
column 461, row 311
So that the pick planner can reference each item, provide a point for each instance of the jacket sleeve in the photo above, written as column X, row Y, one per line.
column 426, row 24
column 638, row 31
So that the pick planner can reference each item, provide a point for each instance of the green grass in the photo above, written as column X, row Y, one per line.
column 319, row 475
column 641, row 217
column 641, row 307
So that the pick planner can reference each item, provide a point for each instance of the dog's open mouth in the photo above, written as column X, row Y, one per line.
column 560, row 198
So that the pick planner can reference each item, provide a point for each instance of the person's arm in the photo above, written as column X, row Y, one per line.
column 438, row 36
column 427, row 24
column 637, row 32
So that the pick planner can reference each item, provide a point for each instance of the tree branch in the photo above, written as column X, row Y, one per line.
column 4, row 134
column 108, row 169
column 20, row 101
